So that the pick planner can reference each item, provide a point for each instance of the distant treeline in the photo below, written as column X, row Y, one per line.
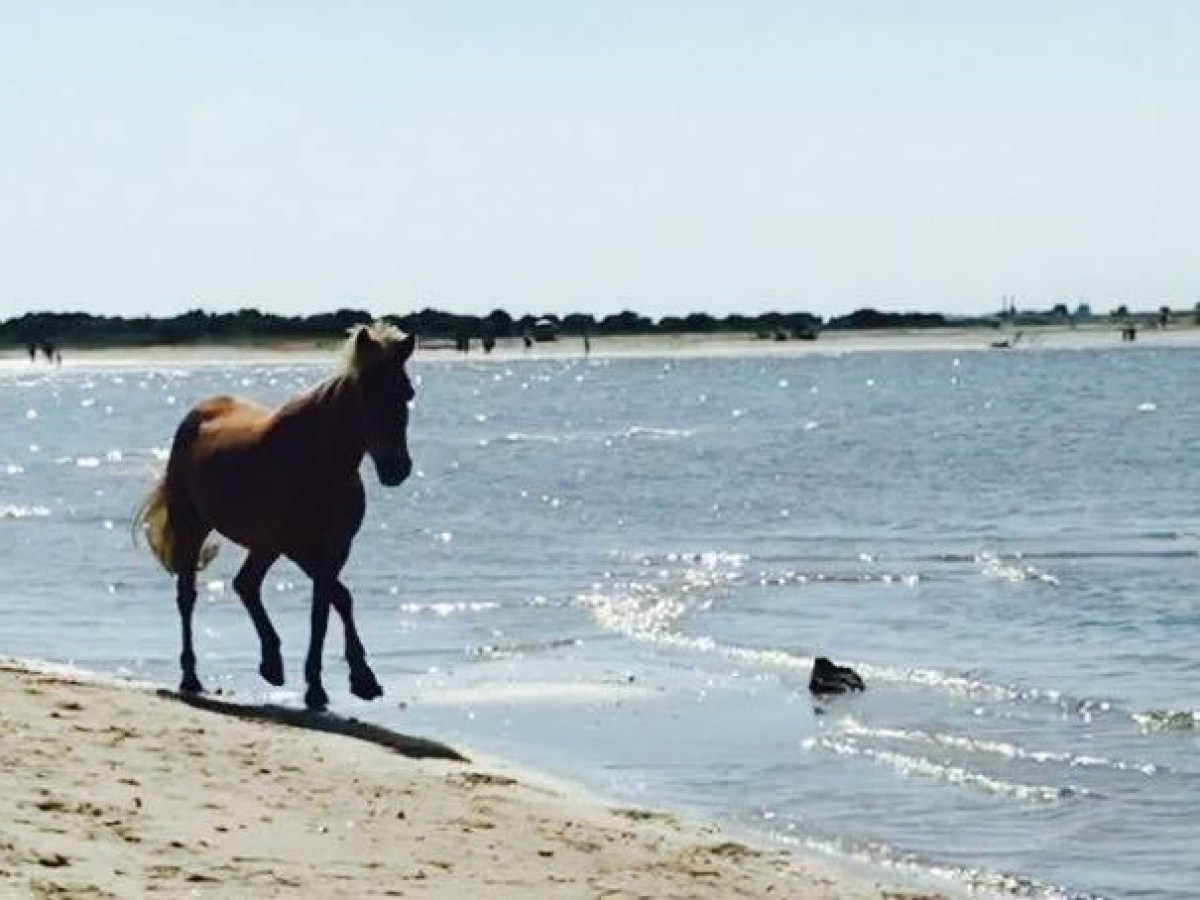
column 252, row 326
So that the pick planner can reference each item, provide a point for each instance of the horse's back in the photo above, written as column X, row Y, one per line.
column 221, row 422
column 249, row 473
column 225, row 461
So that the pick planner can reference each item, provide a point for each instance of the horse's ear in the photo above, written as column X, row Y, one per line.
column 364, row 344
column 406, row 347
column 365, row 348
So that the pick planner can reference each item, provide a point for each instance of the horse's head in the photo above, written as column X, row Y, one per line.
column 377, row 357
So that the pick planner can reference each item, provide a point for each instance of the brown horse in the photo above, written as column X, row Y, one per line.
column 285, row 482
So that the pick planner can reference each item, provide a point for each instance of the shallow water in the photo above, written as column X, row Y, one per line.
column 620, row 571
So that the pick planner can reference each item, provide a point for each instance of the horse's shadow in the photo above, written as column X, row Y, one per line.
column 330, row 723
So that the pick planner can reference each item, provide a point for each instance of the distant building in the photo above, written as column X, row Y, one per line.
column 545, row 330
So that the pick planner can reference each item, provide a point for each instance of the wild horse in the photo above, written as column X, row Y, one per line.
column 285, row 482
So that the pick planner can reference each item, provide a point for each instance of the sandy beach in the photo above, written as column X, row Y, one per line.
column 113, row 791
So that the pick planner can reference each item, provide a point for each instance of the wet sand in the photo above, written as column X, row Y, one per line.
column 115, row 791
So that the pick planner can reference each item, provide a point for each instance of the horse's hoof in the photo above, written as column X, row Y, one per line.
column 365, row 686
column 272, row 671
column 316, row 699
column 190, row 684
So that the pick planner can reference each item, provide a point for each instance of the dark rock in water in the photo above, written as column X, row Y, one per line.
column 828, row 678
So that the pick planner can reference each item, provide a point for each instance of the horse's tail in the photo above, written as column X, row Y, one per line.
column 154, row 523
column 153, row 520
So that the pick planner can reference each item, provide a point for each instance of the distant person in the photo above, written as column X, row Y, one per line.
column 528, row 340
column 31, row 349
column 587, row 345
column 48, row 351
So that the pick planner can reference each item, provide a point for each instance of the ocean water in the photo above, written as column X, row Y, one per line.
column 620, row 570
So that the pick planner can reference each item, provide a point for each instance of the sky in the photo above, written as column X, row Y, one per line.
column 555, row 157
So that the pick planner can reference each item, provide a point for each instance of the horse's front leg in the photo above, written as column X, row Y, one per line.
column 315, row 697
column 363, row 683
column 248, row 584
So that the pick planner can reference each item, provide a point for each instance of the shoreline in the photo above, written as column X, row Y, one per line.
column 111, row 790
column 960, row 340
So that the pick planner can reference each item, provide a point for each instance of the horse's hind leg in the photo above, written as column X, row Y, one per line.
column 190, row 534
column 189, row 539
column 185, row 599
column 248, row 584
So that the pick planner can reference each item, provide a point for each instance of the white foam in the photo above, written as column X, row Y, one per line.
column 853, row 727
column 646, row 431
column 976, row 880
column 993, row 566
column 448, row 608
column 72, row 672
column 13, row 511
column 1167, row 719
column 538, row 693
column 951, row 774
column 520, row 437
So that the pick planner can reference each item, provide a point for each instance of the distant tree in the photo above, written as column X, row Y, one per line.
column 500, row 323
column 1083, row 312
column 873, row 319
column 626, row 322
column 699, row 322
column 1121, row 312
column 803, row 324
column 671, row 325
column 579, row 323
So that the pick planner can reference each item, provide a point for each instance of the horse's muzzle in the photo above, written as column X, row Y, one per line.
column 393, row 471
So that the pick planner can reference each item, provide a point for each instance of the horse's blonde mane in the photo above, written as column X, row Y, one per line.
column 384, row 335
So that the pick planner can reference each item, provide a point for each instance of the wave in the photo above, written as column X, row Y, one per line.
column 652, row 433
column 643, row 609
column 976, row 880
column 448, row 608
column 652, row 627
column 711, row 559
column 1008, row 751
column 1168, row 719
column 520, row 437
column 648, row 609
column 781, row 579
column 520, row 649
column 14, row 511
column 1069, row 555
column 951, row 774
column 542, row 693
column 996, row 567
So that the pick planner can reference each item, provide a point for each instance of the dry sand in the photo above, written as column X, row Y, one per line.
column 112, row 791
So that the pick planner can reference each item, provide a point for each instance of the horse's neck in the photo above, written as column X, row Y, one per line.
column 332, row 426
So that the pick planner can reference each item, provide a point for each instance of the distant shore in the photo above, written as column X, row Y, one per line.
column 1093, row 336
column 111, row 791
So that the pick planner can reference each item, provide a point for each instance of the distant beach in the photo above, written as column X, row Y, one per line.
column 1088, row 337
